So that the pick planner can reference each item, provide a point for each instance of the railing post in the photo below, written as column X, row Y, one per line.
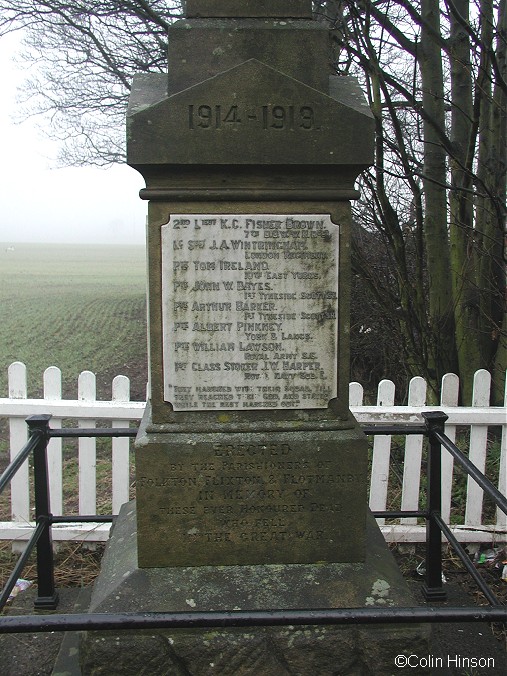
column 47, row 596
column 432, row 589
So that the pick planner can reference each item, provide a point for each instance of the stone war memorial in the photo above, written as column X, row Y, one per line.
column 251, row 472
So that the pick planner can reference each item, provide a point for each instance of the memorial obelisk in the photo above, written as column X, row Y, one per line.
column 251, row 472
column 249, row 148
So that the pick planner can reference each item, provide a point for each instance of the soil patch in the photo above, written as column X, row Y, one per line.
column 76, row 567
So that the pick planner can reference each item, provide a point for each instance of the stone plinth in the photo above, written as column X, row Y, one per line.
column 306, row 650
column 250, row 498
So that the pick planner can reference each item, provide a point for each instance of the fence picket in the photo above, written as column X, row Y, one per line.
column 53, row 391
column 356, row 393
column 18, row 433
column 413, row 454
column 478, row 446
column 120, row 410
column 120, row 449
column 87, row 450
column 381, row 454
column 448, row 397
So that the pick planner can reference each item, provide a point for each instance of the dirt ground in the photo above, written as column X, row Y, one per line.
column 35, row 654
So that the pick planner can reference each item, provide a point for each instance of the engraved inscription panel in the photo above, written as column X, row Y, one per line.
column 249, row 500
column 249, row 311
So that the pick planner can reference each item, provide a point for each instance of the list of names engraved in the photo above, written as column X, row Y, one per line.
column 249, row 311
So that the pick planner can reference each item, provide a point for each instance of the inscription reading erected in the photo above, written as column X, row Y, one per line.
column 249, row 311
column 229, row 495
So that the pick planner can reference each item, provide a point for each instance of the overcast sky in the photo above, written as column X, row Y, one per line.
column 39, row 203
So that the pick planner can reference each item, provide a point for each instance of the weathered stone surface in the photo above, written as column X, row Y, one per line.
column 250, row 311
column 250, row 114
column 306, row 650
column 250, row 8
column 232, row 419
column 229, row 499
column 243, row 509
column 202, row 48
column 253, row 139
column 244, row 127
column 217, row 36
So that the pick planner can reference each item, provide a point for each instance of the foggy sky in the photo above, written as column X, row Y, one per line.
column 39, row 203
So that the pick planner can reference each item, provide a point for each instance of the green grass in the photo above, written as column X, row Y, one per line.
column 75, row 307
column 78, row 308
column 83, row 308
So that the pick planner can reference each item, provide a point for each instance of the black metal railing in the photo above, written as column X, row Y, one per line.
column 39, row 435
column 47, row 598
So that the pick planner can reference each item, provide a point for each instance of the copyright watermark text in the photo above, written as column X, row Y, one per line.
column 448, row 661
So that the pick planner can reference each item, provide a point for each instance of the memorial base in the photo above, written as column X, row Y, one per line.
column 294, row 495
column 270, row 651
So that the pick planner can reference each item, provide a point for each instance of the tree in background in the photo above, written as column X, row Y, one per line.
column 85, row 55
column 429, row 256
column 435, row 73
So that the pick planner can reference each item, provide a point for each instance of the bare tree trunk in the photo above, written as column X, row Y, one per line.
column 435, row 218
column 491, row 209
column 461, row 225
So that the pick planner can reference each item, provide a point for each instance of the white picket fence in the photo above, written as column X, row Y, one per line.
column 119, row 411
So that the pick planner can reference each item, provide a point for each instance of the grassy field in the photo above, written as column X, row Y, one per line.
column 83, row 308
column 76, row 307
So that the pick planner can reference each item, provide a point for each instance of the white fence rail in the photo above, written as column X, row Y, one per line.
column 392, row 470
